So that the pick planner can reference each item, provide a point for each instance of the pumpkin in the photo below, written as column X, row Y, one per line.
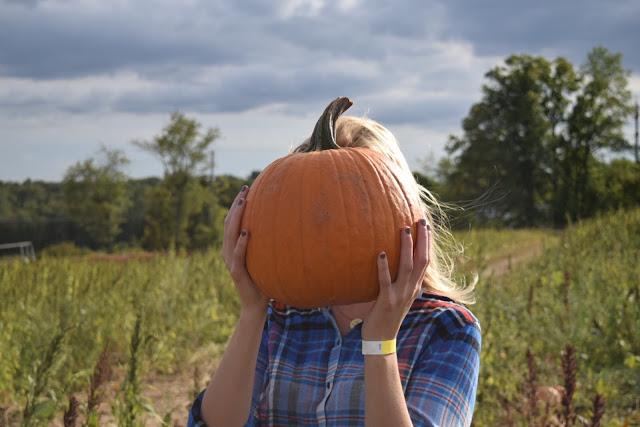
column 318, row 219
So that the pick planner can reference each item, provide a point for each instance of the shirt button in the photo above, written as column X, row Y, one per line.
column 338, row 342
column 328, row 385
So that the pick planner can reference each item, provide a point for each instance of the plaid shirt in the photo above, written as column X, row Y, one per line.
column 307, row 374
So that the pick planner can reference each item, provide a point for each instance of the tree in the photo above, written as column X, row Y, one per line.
column 96, row 195
column 182, row 149
column 615, row 185
column 562, row 86
column 533, row 138
column 595, row 122
column 503, row 144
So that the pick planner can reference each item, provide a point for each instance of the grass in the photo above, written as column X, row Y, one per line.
column 582, row 291
column 188, row 306
column 490, row 251
column 71, row 326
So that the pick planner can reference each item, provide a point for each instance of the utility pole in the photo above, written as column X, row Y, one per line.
column 212, row 180
column 212, row 165
column 636, row 146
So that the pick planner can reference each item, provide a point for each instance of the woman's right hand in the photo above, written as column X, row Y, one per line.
column 234, row 249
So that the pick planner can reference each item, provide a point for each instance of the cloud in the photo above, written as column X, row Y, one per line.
column 567, row 28
column 414, row 65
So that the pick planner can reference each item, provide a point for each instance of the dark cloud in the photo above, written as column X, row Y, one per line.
column 228, row 56
column 571, row 28
column 28, row 3
column 442, row 113
column 40, row 47
column 248, row 88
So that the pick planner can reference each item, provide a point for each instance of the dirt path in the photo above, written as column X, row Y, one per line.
column 174, row 394
column 169, row 395
column 505, row 264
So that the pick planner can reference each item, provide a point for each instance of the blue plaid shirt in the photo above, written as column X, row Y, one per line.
column 307, row 374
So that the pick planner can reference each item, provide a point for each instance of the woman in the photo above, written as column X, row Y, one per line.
column 340, row 365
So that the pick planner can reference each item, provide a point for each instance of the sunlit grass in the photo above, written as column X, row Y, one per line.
column 578, row 286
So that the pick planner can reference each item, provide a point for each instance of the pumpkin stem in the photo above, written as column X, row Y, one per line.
column 324, row 134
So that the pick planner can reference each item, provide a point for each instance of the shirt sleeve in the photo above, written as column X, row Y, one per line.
column 195, row 418
column 442, row 388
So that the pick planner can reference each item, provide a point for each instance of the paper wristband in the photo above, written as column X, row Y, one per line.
column 378, row 347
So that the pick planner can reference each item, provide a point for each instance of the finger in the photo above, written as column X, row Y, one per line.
column 232, row 230
column 405, row 266
column 234, row 217
column 420, row 255
column 384, row 276
column 241, row 195
column 240, row 251
column 232, row 223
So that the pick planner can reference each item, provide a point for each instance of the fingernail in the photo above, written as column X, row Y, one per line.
column 244, row 188
column 428, row 227
column 407, row 230
column 383, row 255
column 243, row 233
column 241, row 201
column 423, row 222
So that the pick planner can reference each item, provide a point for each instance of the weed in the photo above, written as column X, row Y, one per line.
column 71, row 414
column 35, row 409
column 569, row 371
column 101, row 373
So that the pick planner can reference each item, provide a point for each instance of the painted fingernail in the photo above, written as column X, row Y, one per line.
column 428, row 227
column 244, row 188
column 241, row 201
column 243, row 233
column 383, row 255
column 423, row 222
column 407, row 230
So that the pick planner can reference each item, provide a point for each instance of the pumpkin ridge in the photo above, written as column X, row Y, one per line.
column 263, row 206
column 355, row 155
column 388, row 210
column 409, row 203
column 283, row 170
column 343, row 214
column 293, row 175
column 304, row 226
column 401, row 185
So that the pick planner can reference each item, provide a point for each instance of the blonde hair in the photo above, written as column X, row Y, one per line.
column 439, row 278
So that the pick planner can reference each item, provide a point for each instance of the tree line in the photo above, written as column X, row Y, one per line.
column 98, row 206
column 543, row 146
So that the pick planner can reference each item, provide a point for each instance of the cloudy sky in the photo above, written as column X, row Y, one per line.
column 78, row 74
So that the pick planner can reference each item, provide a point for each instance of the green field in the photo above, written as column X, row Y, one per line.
column 166, row 318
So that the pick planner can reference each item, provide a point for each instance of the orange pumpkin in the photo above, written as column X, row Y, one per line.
column 318, row 219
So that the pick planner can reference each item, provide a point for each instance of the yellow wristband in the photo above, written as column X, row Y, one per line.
column 378, row 347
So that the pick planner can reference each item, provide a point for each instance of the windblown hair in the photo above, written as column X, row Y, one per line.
column 439, row 278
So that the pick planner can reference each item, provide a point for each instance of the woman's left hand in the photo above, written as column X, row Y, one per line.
column 395, row 298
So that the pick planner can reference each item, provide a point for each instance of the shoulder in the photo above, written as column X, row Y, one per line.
column 435, row 306
column 444, row 317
